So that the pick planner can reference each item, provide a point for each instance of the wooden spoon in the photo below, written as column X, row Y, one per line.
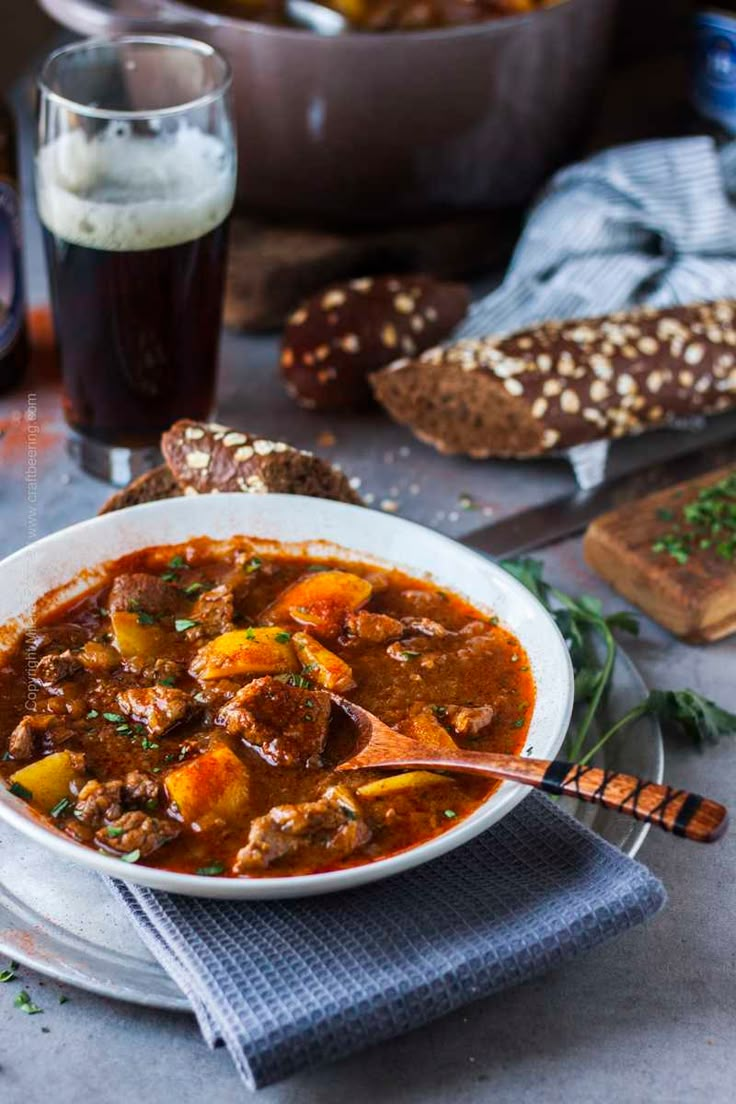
column 677, row 811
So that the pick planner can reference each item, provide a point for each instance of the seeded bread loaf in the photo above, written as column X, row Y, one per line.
column 561, row 384
column 336, row 338
column 212, row 458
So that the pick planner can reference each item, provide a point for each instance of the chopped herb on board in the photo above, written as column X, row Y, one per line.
column 708, row 522
column 581, row 621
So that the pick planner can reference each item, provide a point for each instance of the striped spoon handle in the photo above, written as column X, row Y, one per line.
column 677, row 811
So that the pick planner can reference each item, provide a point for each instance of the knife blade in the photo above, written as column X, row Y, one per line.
column 569, row 514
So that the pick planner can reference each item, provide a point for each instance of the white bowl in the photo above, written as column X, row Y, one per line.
column 73, row 560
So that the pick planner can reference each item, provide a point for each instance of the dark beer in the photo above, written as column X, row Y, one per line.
column 135, row 230
column 139, row 334
column 13, row 339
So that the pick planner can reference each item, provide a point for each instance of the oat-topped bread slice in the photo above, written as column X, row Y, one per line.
column 149, row 487
column 206, row 458
column 561, row 384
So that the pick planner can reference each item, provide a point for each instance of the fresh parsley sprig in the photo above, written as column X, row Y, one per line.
column 581, row 621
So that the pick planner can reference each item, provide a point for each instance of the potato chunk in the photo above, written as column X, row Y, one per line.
column 258, row 651
column 396, row 783
column 422, row 725
column 320, row 600
column 47, row 780
column 323, row 666
column 216, row 786
column 133, row 639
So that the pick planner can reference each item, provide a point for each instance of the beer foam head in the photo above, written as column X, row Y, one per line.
column 120, row 191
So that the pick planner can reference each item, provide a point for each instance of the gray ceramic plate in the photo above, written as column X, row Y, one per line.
column 58, row 918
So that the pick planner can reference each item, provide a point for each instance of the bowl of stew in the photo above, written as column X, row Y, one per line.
column 165, row 682
column 422, row 109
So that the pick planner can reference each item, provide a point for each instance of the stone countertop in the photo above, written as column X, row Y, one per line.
column 648, row 1017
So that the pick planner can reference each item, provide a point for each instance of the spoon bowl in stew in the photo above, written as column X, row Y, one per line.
column 63, row 569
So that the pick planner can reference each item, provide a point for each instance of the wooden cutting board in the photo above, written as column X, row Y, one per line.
column 679, row 572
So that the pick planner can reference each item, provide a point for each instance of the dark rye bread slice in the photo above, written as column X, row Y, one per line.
column 210, row 458
column 562, row 384
column 149, row 487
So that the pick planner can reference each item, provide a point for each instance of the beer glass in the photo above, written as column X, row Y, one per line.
column 135, row 180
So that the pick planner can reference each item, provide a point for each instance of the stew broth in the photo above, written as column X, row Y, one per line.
column 180, row 715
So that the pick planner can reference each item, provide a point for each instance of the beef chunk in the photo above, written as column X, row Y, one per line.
column 136, row 831
column 99, row 803
column 157, row 670
column 144, row 593
column 376, row 628
column 469, row 720
column 318, row 833
column 26, row 738
column 286, row 724
column 157, row 707
column 213, row 612
column 53, row 669
column 425, row 626
column 139, row 788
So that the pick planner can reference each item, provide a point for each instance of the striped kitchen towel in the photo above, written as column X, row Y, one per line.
column 286, row 985
column 652, row 222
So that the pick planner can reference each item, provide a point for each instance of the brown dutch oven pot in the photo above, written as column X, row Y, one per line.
column 364, row 129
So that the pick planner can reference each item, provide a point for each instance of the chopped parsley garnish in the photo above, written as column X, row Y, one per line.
column 295, row 680
column 193, row 588
column 24, row 1003
column 115, row 833
column 177, row 562
column 10, row 973
column 60, row 807
column 169, row 577
column 115, row 718
column 212, row 870
column 146, row 618
column 19, row 790
column 131, row 857
column 183, row 623
column 92, row 714
column 282, row 637
column 63, row 998
column 450, row 814
column 518, row 724
column 708, row 522
column 253, row 564
column 167, row 682
column 410, row 655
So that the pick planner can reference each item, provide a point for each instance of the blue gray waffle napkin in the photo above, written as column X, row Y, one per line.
column 652, row 222
column 291, row 984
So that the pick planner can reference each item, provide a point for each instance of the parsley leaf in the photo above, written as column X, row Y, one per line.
column 212, row 870
column 25, row 1004
column 183, row 623
column 9, row 974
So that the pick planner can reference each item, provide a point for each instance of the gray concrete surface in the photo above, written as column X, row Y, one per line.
column 651, row 1017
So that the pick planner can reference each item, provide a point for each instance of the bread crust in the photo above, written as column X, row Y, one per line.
column 207, row 458
column 150, row 487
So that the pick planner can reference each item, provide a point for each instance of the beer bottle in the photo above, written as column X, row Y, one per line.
column 714, row 77
column 13, row 337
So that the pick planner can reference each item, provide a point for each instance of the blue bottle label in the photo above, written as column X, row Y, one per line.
column 11, row 284
column 715, row 67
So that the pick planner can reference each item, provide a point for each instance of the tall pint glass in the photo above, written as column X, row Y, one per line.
column 135, row 179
